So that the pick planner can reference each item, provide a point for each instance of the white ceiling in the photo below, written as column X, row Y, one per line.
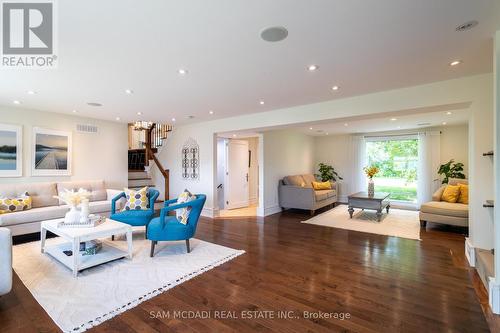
column 395, row 121
column 363, row 46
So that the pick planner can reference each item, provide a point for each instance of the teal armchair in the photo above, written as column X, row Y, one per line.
column 135, row 217
column 168, row 228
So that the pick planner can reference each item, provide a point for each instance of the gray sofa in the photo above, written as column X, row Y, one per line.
column 297, row 192
column 46, row 207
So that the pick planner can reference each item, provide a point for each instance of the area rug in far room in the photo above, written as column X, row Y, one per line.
column 102, row 292
column 399, row 223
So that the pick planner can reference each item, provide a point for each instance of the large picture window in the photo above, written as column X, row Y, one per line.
column 397, row 159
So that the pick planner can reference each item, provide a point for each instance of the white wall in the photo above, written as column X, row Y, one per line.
column 455, row 145
column 286, row 153
column 95, row 156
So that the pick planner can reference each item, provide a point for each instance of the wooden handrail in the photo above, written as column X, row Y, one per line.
column 165, row 172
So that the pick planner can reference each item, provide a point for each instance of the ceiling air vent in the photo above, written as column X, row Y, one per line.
column 85, row 128
column 424, row 124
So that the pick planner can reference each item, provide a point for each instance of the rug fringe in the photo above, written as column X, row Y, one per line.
column 107, row 316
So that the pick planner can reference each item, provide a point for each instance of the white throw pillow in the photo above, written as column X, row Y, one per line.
column 182, row 214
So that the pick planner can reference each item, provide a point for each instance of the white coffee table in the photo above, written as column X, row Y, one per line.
column 74, row 236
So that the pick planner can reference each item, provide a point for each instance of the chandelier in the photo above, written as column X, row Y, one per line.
column 142, row 125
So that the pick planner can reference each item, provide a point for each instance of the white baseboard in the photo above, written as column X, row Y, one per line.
column 494, row 295
column 470, row 252
column 272, row 210
column 210, row 212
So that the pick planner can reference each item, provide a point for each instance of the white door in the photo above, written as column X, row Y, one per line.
column 236, row 193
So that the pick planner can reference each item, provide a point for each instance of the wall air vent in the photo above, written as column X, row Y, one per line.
column 86, row 128
column 424, row 124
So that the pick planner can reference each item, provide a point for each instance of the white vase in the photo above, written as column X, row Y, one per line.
column 84, row 214
column 73, row 216
column 371, row 188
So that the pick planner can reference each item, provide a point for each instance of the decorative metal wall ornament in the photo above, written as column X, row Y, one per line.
column 191, row 160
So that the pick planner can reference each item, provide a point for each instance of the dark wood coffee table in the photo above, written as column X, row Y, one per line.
column 362, row 200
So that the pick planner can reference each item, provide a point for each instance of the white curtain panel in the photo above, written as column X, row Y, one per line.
column 358, row 162
column 429, row 151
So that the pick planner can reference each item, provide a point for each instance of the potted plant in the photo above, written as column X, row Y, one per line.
column 327, row 173
column 451, row 170
column 370, row 172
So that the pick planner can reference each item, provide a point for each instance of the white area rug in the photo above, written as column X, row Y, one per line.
column 102, row 292
column 399, row 223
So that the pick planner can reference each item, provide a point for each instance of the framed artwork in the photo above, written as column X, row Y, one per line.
column 51, row 153
column 11, row 150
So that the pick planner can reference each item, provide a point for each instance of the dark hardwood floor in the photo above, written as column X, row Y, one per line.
column 384, row 284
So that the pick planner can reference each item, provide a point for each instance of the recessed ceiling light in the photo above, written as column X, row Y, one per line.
column 118, row 118
column 455, row 62
column 310, row 128
column 31, row 92
column 444, row 122
column 234, row 135
column 139, row 113
column 94, row 104
column 16, row 102
column 448, row 113
column 173, row 119
column 274, row 34
column 182, row 71
column 346, row 124
column 394, row 119
column 326, row 133
column 210, row 112
column 467, row 25
column 129, row 91
column 312, row 68
column 335, row 88
column 261, row 102
column 74, row 111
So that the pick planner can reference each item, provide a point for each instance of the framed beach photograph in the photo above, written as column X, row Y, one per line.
column 51, row 153
column 11, row 150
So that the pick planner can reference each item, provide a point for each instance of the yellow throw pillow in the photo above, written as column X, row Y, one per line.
column 136, row 200
column 322, row 185
column 451, row 193
column 464, row 194
column 3, row 212
column 9, row 205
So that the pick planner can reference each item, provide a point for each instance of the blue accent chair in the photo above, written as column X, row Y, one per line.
column 135, row 217
column 168, row 228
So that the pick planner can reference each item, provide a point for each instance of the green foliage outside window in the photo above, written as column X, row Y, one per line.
column 394, row 158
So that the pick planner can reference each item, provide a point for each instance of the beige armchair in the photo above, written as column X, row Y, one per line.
column 297, row 192
column 443, row 212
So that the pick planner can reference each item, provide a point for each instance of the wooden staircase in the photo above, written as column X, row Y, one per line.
column 140, row 160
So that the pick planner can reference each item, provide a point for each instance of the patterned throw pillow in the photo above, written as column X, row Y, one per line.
column 9, row 205
column 136, row 200
column 183, row 213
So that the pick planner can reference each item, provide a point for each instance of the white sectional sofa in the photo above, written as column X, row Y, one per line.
column 46, row 207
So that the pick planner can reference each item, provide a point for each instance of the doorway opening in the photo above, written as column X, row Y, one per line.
column 238, row 176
